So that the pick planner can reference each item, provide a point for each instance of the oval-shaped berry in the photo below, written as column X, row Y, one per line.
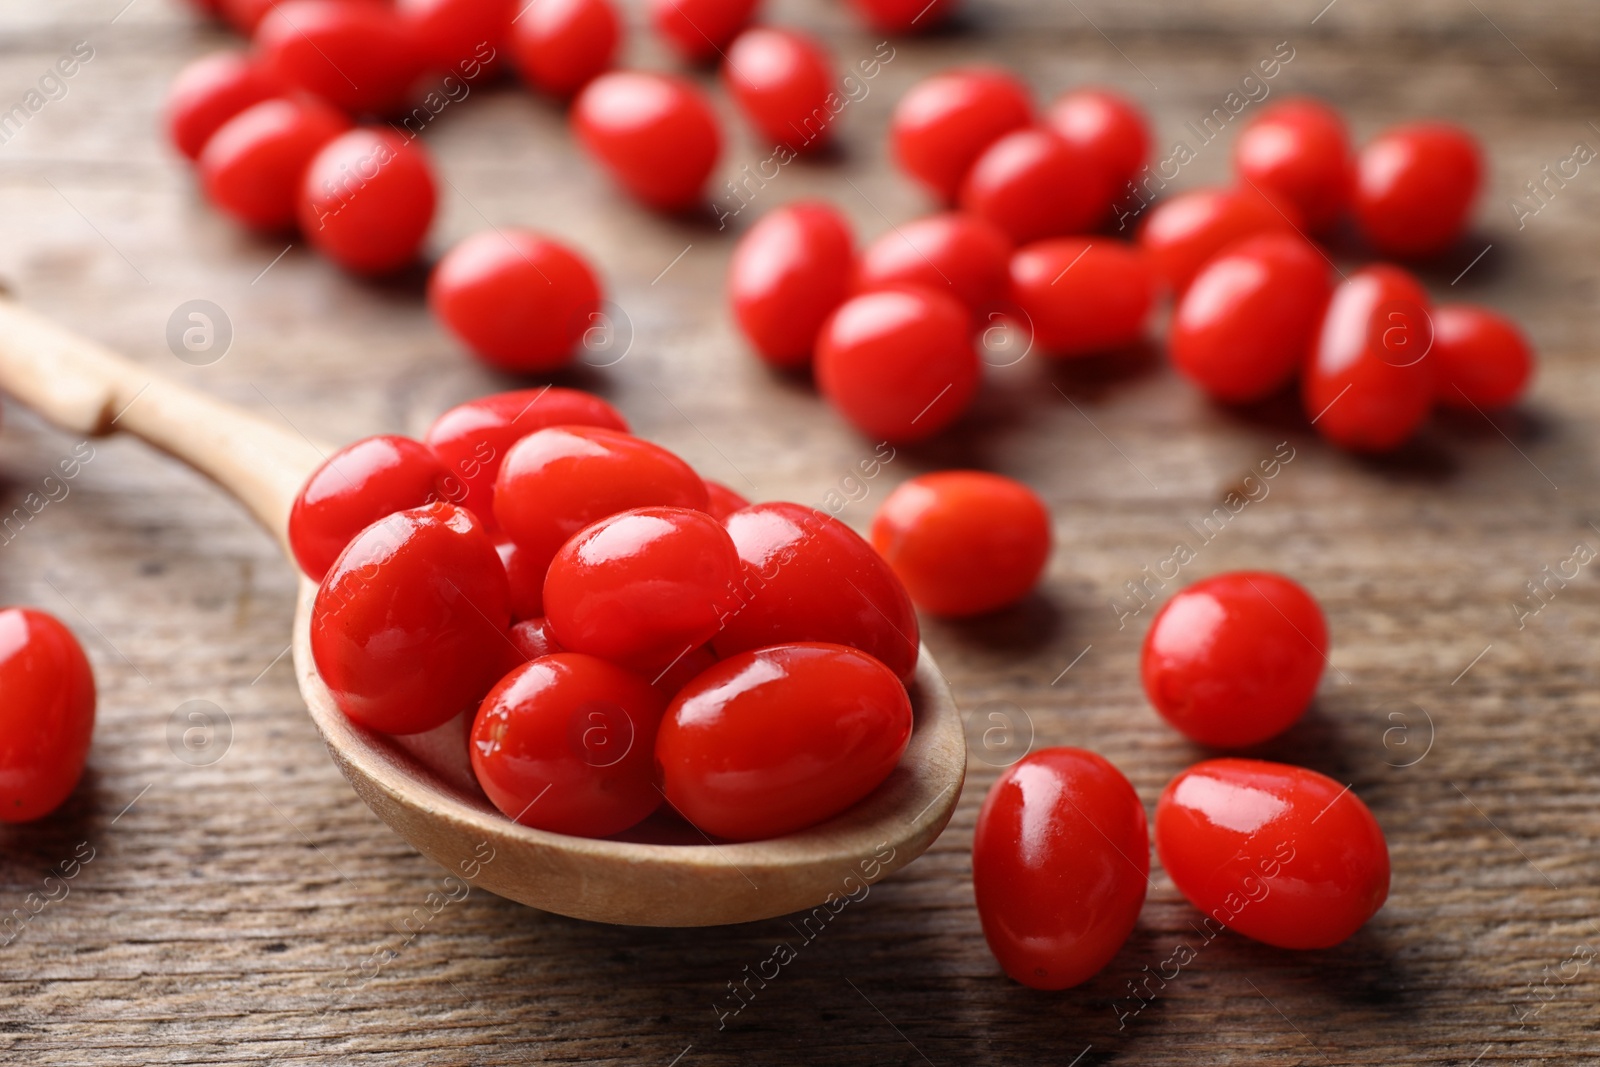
column 1481, row 357
column 1060, row 862
column 782, row 81
column 354, row 488
column 367, row 199
column 1082, row 295
column 699, row 30
column 809, row 577
column 1280, row 854
column 952, row 252
column 944, row 123
column 47, row 717
column 788, row 274
column 1183, row 233
column 1104, row 127
column 408, row 626
column 361, row 57
column 1235, row 659
column 1245, row 324
column 462, row 38
column 644, row 587
column 899, row 363
column 251, row 167
column 559, row 46
column 1033, row 184
column 1415, row 187
column 210, row 91
column 1299, row 150
column 566, row 743
column 1369, row 383
column 776, row 739
column 655, row 134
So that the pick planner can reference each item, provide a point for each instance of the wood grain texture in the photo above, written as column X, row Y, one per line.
column 252, row 910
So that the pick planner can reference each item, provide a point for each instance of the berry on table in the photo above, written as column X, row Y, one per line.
column 943, row 124
column 1481, row 357
column 252, row 166
column 656, row 134
column 788, row 274
column 559, row 46
column 1083, row 295
column 1415, row 187
column 367, row 199
column 47, row 717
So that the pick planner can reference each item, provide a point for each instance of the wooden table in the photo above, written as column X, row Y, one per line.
column 242, row 906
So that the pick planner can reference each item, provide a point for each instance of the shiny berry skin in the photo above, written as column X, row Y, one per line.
column 1243, row 327
column 210, row 91
column 898, row 363
column 531, row 638
column 1183, row 233
column 1369, row 384
column 251, row 167
column 360, row 57
column 699, row 30
column 1060, row 862
column 787, row 275
column 954, row 252
column 1082, row 295
column 963, row 542
column 723, row 501
column 781, row 81
column 556, row 481
column 354, row 488
column 408, row 626
column 776, row 739
column 643, row 587
column 656, row 134
column 1415, row 187
column 683, row 670
column 1105, row 127
column 1235, row 659
column 903, row 16
column 1481, row 358
column 809, row 577
column 525, row 573
column 47, row 717
column 462, row 38
column 944, row 123
column 566, row 743
column 1299, row 149
column 472, row 439
column 520, row 302
column 559, row 46
column 1032, row 184
column 1280, row 854
column 367, row 199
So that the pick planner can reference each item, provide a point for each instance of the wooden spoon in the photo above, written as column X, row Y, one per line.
column 423, row 786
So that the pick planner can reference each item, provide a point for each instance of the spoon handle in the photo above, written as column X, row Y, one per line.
column 85, row 388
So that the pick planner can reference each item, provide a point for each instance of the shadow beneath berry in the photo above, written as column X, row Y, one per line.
column 1092, row 379
column 1032, row 623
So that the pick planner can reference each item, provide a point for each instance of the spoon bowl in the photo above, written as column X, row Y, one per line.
column 660, row 874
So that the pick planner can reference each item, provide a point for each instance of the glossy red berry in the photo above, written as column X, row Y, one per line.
column 1033, row 184
column 1105, row 127
column 944, row 123
column 210, row 91
column 904, row 16
column 47, row 717
column 462, row 38
column 809, row 577
column 1060, row 862
column 1280, row 854
column 354, row 488
column 700, row 30
column 556, row 481
column 531, row 638
column 518, row 301
column 1299, row 150
column 776, row 739
column 788, row 274
column 963, row 542
column 1415, row 187
column 1369, row 383
column 684, row 670
column 723, row 501
column 525, row 573
column 1245, row 324
column 782, row 81
column 408, row 626
column 1235, row 659
column 1082, row 295
column 367, row 199
column 643, row 587
column 559, row 46
column 1481, row 358
column 566, row 742
column 899, row 363
column 252, row 165
column 472, row 439
column 361, row 57
column 656, row 134
column 954, row 252
column 1183, row 233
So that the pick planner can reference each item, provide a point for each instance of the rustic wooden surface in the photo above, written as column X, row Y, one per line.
column 242, row 906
